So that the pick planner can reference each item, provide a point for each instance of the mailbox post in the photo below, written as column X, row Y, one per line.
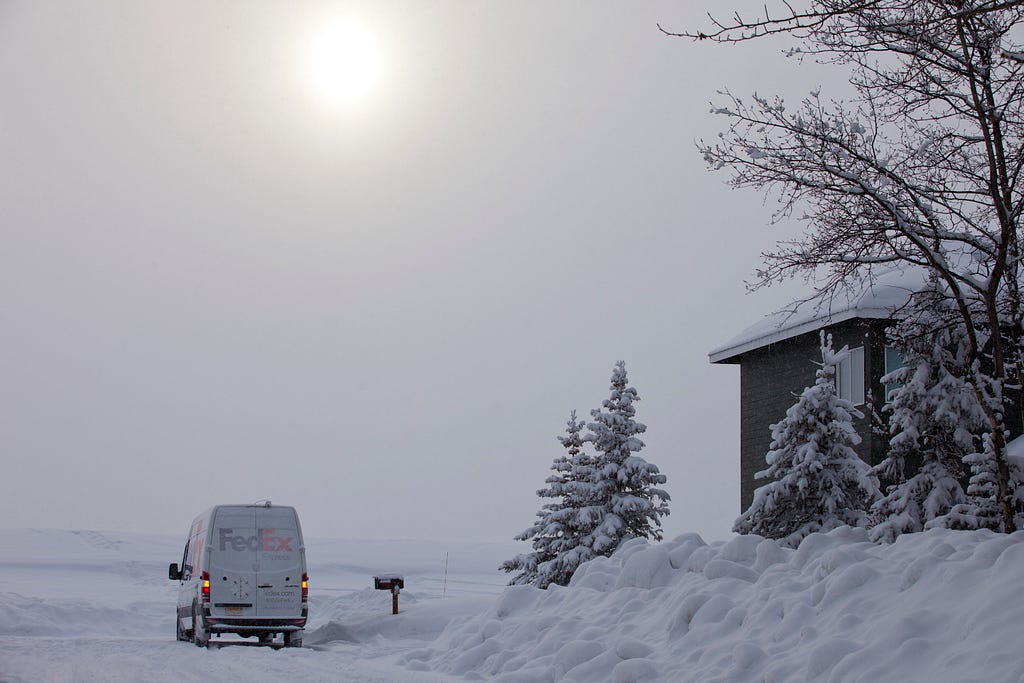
column 392, row 582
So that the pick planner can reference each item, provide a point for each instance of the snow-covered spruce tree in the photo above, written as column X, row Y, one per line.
column 560, row 527
column 603, row 498
column 623, row 487
column 934, row 419
column 980, row 509
column 921, row 166
column 817, row 482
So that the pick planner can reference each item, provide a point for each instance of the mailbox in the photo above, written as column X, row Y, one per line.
column 387, row 583
column 390, row 582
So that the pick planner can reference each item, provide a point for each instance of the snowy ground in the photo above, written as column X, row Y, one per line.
column 940, row 606
column 88, row 606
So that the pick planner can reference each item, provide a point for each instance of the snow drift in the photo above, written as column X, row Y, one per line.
column 940, row 606
column 934, row 606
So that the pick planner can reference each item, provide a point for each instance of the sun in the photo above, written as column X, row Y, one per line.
column 344, row 63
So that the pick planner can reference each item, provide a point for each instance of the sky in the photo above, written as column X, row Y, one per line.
column 221, row 281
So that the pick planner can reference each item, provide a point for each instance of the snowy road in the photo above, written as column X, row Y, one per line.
column 85, row 606
column 98, row 658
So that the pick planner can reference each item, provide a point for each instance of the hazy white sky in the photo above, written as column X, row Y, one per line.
column 218, row 285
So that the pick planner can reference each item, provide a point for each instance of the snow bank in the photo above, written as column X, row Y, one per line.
column 935, row 606
column 940, row 605
column 63, row 583
column 363, row 617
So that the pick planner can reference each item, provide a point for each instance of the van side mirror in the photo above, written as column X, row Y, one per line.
column 173, row 573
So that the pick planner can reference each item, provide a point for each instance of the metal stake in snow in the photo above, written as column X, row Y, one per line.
column 444, row 586
column 392, row 582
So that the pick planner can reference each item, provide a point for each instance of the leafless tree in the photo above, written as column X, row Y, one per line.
column 920, row 167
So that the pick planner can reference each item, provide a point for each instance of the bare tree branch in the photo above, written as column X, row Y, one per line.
column 922, row 167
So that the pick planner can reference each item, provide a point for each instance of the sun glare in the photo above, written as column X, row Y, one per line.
column 344, row 63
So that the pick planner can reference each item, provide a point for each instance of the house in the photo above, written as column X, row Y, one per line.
column 777, row 359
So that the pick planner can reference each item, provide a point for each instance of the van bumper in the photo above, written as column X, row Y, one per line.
column 253, row 626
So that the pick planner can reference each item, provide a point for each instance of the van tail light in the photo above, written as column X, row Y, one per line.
column 206, row 587
column 305, row 587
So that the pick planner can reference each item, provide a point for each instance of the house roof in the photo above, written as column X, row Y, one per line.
column 880, row 298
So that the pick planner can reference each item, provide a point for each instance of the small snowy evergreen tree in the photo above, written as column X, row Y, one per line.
column 603, row 498
column 557, row 533
column 626, row 500
column 981, row 508
column 818, row 481
column 935, row 421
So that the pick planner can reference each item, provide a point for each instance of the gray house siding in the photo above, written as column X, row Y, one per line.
column 773, row 376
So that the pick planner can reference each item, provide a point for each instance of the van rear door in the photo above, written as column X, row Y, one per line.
column 280, row 565
column 233, row 562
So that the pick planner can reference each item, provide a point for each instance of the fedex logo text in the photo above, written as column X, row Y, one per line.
column 265, row 540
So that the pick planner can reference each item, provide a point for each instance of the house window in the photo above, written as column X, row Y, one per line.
column 850, row 376
column 894, row 360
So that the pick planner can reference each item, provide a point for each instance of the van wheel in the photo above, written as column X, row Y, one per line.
column 199, row 635
column 293, row 638
column 182, row 633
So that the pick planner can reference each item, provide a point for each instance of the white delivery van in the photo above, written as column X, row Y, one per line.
column 243, row 571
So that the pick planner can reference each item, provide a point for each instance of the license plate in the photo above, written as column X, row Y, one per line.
column 232, row 610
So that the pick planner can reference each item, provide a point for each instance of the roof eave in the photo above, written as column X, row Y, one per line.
column 730, row 354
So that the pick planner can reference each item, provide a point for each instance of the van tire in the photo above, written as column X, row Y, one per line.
column 199, row 635
column 293, row 638
column 182, row 633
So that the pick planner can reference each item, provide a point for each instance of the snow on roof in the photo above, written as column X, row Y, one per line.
column 880, row 298
column 1015, row 449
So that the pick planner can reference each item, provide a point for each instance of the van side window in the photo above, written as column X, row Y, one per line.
column 186, row 568
column 197, row 550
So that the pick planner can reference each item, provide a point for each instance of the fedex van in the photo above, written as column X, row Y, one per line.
column 243, row 571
